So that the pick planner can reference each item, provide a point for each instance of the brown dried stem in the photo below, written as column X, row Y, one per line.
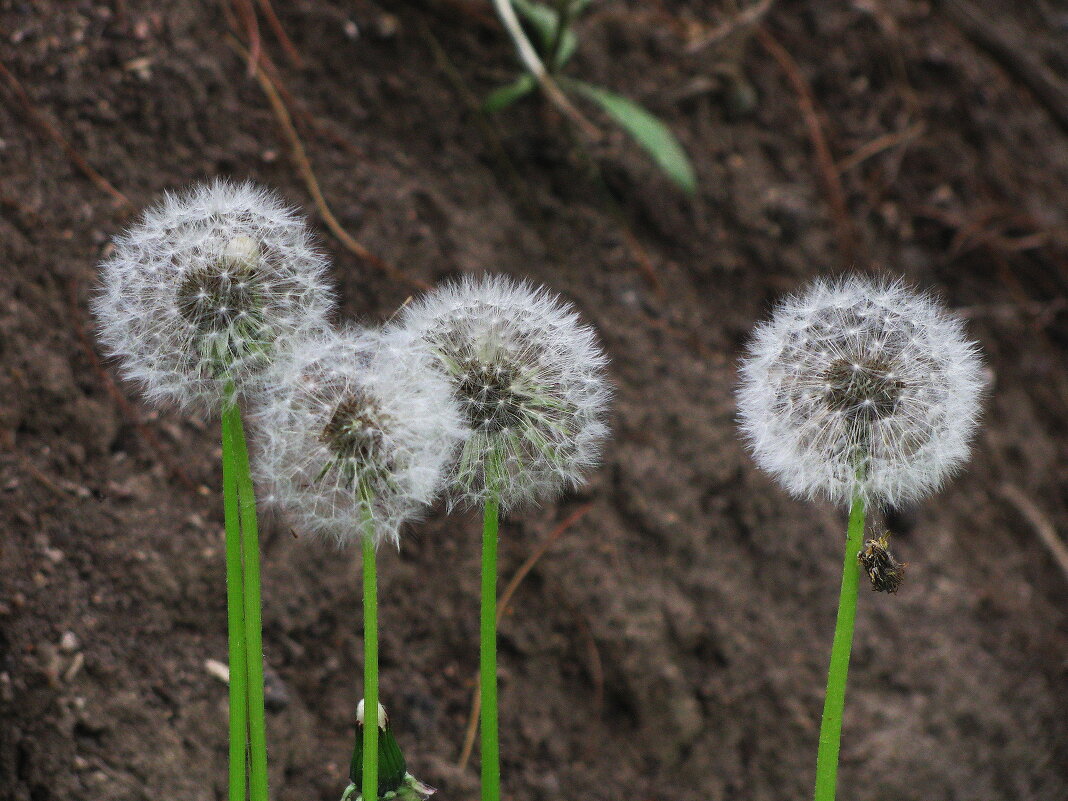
column 280, row 34
column 50, row 130
column 829, row 176
column 300, row 156
column 1041, row 525
column 502, row 605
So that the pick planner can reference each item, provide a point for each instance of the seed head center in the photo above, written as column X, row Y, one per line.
column 212, row 297
column 488, row 396
column 354, row 430
column 864, row 390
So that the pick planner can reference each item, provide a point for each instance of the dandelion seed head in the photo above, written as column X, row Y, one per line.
column 529, row 380
column 355, row 423
column 206, row 288
column 860, row 385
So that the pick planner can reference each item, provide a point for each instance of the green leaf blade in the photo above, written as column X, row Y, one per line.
column 541, row 18
column 653, row 135
column 508, row 94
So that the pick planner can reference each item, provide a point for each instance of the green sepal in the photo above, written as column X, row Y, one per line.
column 391, row 765
column 410, row 790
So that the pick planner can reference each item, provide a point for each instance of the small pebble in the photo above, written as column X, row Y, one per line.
column 76, row 665
column 276, row 695
column 218, row 670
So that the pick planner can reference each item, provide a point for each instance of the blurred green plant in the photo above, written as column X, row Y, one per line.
column 551, row 43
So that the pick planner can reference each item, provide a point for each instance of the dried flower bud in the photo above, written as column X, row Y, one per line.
column 884, row 571
column 529, row 380
column 860, row 386
column 354, row 423
column 204, row 290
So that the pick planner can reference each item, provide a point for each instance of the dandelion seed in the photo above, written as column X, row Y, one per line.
column 204, row 290
column 356, row 430
column 865, row 392
column 860, row 386
column 529, row 382
column 196, row 301
column 529, row 379
column 355, row 424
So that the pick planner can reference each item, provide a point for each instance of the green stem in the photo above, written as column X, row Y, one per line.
column 491, row 762
column 235, row 616
column 369, row 784
column 834, row 703
column 257, row 724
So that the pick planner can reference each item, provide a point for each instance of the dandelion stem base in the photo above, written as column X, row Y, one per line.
column 235, row 614
column 490, row 753
column 257, row 725
column 834, row 703
column 369, row 785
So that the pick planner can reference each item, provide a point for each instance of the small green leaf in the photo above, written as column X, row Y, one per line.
column 541, row 18
column 567, row 49
column 569, row 40
column 504, row 97
column 391, row 766
column 649, row 132
column 544, row 20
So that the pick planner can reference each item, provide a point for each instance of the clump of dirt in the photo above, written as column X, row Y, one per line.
column 672, row 643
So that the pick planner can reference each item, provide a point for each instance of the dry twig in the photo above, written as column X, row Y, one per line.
column 251, row 25
column 746, row 18
column 879, row 144
column 50, row 130
column 1011, row 47
column 829, row 176
column 304, row 167
column 280, row 34
column 1041, row 525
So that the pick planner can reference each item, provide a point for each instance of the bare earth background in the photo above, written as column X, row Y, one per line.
column 672, row 643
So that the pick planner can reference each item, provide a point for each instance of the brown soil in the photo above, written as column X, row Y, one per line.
column 672, row 644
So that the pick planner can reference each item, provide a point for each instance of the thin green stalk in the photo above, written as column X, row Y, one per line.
column 491, row 761
column 834, row 703
column 235, row 615
column 369, row 784
column 257, row 724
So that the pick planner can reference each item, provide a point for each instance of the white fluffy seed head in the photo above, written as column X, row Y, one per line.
column 860, row 386
column 352, row 424
column 206, row 288
column 529, row 380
